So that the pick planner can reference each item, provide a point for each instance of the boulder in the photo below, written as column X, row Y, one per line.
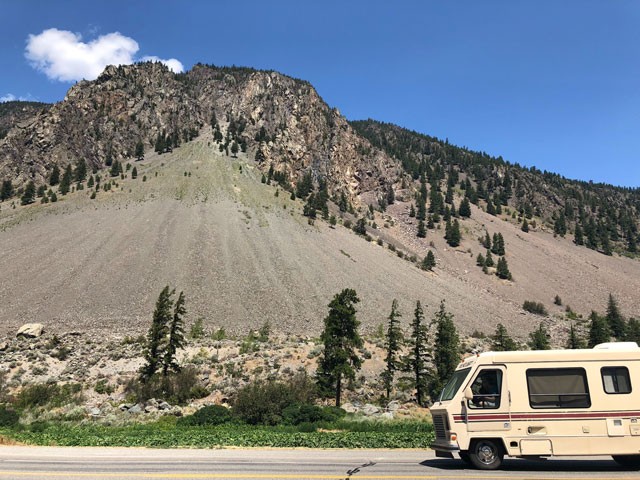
column 369, row 409
column 3, row 346
column 136, row 409
column 30, row 330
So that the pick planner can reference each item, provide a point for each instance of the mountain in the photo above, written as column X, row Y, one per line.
column 16, row 112
column 235, row 168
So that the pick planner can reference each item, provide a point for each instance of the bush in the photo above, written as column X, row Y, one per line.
column 8, row 417
column 209, row 415
column 303, row 413
column 264, row 402
column 536, row 308
column 50, row 394
column 176, row 387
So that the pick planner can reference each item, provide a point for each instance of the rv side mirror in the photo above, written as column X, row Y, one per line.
column 468, row 394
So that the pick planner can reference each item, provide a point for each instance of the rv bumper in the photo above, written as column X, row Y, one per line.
column 445, row 447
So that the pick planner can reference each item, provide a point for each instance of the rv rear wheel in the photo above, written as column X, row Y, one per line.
column 486, row 454
column 627, row 460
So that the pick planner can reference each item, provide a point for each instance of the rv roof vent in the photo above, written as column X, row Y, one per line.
column 617, row 346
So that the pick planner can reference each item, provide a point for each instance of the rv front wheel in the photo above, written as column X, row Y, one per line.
column 627, row 460
column 486, row 454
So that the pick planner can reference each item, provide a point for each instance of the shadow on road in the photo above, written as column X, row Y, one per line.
column 521, row 465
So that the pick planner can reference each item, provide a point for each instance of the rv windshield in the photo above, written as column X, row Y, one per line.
column 453, row 385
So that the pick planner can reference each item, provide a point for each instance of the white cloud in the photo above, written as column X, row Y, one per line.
column 62, row 55
column 173, row 64
column 9, row 97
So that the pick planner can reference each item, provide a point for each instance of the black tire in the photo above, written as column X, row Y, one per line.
column 627, row 460
column 464, row 456
column 486, row 454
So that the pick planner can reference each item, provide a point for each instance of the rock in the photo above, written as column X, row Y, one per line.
column 95, row 412
column 349, row 408
column 137, row 408
column 150, row 409
column 387, row 415
column 3, row 346
column 125, row 406
column 393, row 406
column 369, row 409
column 30, row 330
column 164, row 406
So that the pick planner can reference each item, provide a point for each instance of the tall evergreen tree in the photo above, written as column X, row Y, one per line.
column 116, row 169
column 80, row 172
column 29, row 194
column 340, row 360
column 617, row 323
column 452, row 233
column 501, row 341
column 65, row 183
column 502, row 269
column 422, row 231
column 598, row 330
column 539, row 339
column 633, row 331
column 7, row 190
column 54, row 178
column 139, row 150
column 429, row 261
column 578, row 239
column 418, row 355
column 574, row 341
column 393, row 343
column 465, row 208
column 175, row 337
column 445, row 354
column 157, row 335
column 525, row 226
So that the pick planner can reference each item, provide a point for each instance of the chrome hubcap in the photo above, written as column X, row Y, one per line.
column 486, row 454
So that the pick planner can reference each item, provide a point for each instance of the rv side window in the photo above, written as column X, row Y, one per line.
column 616, row 379
column 558, row 388
column 486, row 390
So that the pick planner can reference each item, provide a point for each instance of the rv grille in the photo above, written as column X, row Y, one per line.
column 439, row 426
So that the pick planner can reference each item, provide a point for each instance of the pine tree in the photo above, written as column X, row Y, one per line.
column 54, row 178
column 633, row 331
column 80, row 173
column 416, row 360
column 502, row 269
column 134, row 173
column 501, row 341
column 422, row 231
column 578, row 239
column 452, row 233
column 393, row 343
column 445, row 355
column 7, row 190
column 29, row 194
column 480, row 261
column 616, row 322
column 157, row 335
column 491, row 209
column 560, row 225
column 525, row 226
column 488, row 261
column 574, row 341
column 65, row 183
column 139, row 153
column 340, row 360
column 465, row 208
column 412, row 211
column 598, row 330
column 539, row 339
column 429, row 261
column 234, row 148
column 115, row 169
column 175, row 339
column 486, row 242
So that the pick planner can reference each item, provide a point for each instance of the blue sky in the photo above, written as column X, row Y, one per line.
column 548, row 83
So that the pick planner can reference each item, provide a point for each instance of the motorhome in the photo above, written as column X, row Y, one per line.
column 541, row 404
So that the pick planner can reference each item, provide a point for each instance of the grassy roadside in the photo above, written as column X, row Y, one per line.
column 166, row 434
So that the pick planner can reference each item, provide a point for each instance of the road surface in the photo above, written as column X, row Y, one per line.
column 31, row 463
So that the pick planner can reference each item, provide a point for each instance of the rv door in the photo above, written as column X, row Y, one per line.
column 489, row 409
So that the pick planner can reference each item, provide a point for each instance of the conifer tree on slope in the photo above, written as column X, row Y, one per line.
column 175, row 338
column 393, row 343
column 157, row 335
column 445, row 354
column 340, row 360
column 418, row 355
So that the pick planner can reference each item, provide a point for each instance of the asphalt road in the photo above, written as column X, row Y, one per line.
column 130, row 463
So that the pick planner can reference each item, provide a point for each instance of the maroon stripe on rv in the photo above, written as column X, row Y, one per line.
column 548, row 416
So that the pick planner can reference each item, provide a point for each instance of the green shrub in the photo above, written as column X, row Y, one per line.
column 536, row 308
column 8, row 417
column 103, row 387
column 264, row 402
column 298, row 414
column 50, row 394
column 209, row 415
column 176, row 387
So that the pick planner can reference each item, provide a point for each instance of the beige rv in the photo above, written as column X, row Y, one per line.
column 541, row 404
